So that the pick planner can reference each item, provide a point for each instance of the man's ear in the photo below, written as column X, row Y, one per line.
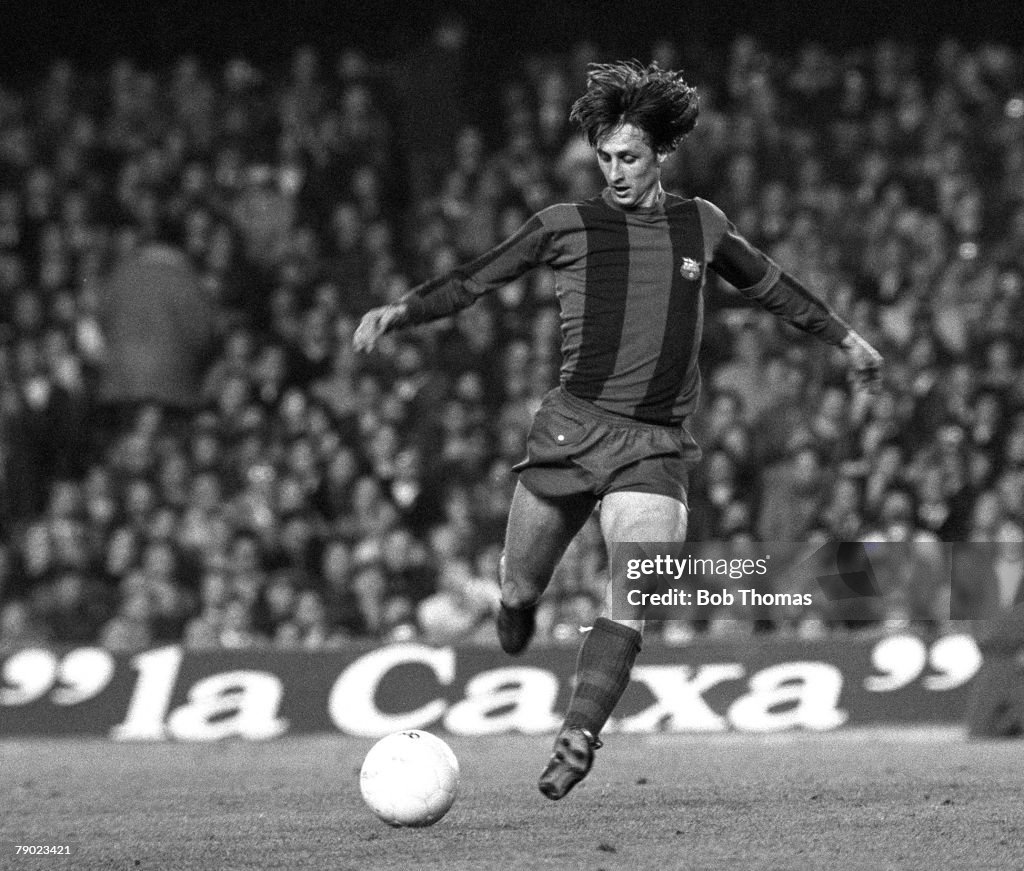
column 663, row 156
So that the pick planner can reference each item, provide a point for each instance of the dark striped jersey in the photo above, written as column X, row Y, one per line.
column 630, row 289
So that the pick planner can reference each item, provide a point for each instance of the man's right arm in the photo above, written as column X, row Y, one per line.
column 525, row 249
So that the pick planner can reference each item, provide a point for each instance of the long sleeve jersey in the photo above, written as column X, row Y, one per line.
column 630, row 291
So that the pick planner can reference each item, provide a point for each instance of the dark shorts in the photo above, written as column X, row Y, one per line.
column 574, row 447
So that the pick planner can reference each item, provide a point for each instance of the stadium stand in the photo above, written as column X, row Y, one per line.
column 315, row 497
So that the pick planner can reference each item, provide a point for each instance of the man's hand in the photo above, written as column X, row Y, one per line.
column 375, row 323
column 865, row 362
column 865, row 374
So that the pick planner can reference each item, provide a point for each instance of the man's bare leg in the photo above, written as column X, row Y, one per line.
column 628, row 516
column 539, row 531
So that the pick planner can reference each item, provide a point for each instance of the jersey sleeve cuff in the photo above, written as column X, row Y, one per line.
column 766, row 283
column 835, row 332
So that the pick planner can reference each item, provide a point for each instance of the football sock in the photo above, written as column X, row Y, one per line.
column 602, row 674
column 516, row 627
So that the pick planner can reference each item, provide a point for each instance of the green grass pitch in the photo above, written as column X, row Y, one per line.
column 852, row 800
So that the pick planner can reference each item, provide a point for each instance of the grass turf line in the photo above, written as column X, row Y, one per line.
column 847, row 800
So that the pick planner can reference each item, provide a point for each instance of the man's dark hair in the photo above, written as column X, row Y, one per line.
column 657, row 101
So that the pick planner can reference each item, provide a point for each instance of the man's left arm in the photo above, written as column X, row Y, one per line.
column 760, row 279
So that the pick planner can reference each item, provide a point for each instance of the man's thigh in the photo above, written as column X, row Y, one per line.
column 539, row 531
column 628, row 515
column 634, row 516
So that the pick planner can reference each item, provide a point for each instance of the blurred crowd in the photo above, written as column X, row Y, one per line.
column 310, row 497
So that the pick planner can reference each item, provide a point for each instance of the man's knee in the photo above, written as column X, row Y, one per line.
column 512, row 572
column 519, row 585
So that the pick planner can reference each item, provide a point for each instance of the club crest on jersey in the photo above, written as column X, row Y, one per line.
column 690, row 268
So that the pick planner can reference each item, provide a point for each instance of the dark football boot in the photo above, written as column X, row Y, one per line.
column 570, row 762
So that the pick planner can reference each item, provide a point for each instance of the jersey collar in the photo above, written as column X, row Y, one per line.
column 648, row 211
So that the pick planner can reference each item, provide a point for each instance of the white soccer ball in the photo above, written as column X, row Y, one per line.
column 410, row 778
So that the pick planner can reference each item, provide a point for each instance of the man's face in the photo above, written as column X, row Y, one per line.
column 630, row 166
